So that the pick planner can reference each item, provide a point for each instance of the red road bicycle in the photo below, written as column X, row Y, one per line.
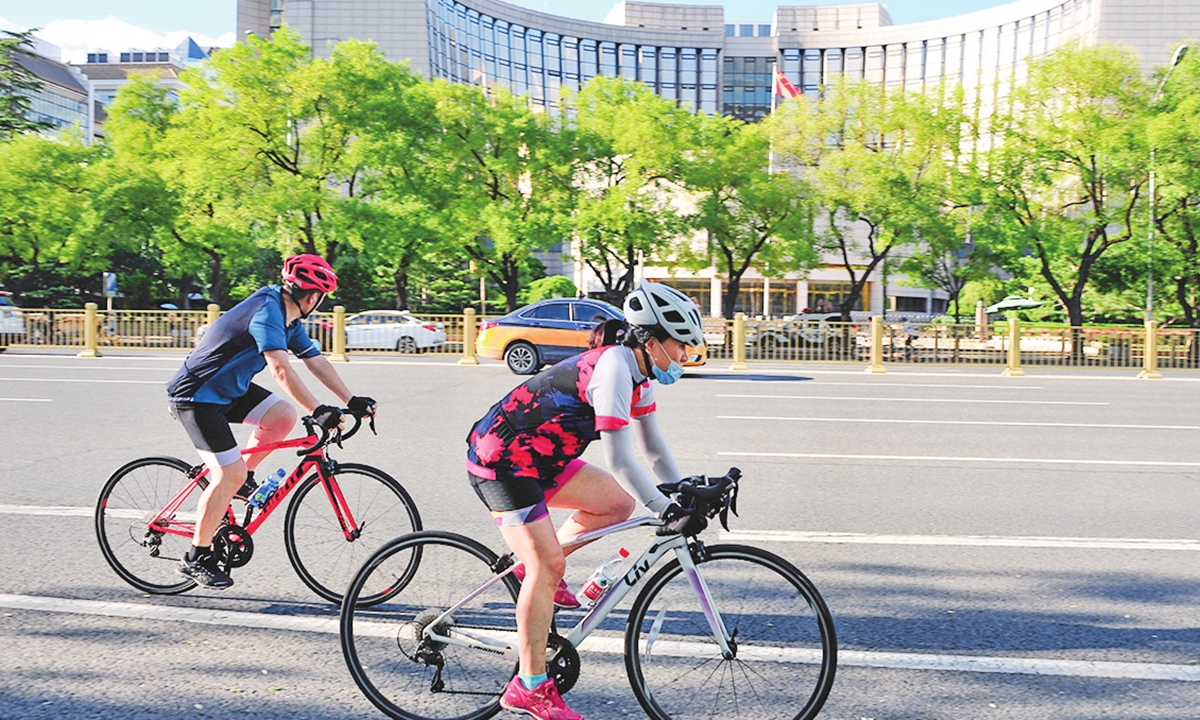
column 146, row 516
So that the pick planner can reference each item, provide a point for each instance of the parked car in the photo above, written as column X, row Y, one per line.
column 797, row 331
column 393, row 329
column 549, row 331
column 12, row 321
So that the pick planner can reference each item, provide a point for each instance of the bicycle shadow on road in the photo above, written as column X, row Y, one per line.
column 758, row 377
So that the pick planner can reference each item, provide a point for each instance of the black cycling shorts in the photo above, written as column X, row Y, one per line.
column 207, row 424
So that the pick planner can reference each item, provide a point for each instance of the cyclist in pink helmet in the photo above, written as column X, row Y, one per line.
column 214, row 389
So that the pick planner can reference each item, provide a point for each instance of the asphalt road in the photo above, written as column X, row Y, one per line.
column 990, row 547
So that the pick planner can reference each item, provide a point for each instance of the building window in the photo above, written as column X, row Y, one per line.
column 764, row 31
column 747, row 88
column 832, row 293
column 746, row 30
column 125, row 57
column 730, row 30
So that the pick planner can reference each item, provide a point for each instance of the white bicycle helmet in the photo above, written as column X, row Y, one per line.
column 655, row 305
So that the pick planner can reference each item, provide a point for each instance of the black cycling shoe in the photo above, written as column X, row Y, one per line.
column 246, row 491
column 205, row 573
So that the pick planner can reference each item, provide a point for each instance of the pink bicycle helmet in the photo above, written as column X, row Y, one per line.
column 309, row 272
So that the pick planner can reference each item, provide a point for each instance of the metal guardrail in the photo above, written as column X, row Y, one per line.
column 877, row 344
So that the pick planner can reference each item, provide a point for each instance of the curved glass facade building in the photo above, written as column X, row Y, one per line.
column 693, row 55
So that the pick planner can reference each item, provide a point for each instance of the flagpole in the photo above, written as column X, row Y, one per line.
column 771, row 142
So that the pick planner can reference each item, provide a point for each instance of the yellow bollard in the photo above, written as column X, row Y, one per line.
column 90, row 336
column 214, row 314
column 469, row 331
column 739, row 342
column 876, row 367
column 338, row 354
column 1150, row 362
column 1014, row 350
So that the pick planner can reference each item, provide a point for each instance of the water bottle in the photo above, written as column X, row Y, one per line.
column 596, row 585
column 267, row 489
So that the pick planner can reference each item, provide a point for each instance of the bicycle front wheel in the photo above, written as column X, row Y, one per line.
column 784, row 652
column 146, row 558
column 324, row 553
column 413, row 677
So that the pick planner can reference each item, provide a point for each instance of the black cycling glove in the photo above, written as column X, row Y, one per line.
column 361, row 405
column 683, row 521
column 327, row 416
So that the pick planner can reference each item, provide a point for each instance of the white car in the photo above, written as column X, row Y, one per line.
column 392, row 330
column 12, row 322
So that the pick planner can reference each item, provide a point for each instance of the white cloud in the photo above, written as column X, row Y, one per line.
column 78, row 37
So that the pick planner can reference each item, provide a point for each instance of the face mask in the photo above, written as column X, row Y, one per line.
column 673, row 372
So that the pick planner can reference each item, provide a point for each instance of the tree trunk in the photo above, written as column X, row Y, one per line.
column 400, row 282
column 216, row 292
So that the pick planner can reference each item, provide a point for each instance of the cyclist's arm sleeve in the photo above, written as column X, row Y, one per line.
column 657, row 451
column 618, row 454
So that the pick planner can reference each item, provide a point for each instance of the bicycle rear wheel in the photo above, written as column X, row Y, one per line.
column 785, row 651
column 322, row 555
column 137, row 492
column 410, row 677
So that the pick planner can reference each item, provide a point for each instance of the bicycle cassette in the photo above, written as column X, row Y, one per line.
column 232, row 546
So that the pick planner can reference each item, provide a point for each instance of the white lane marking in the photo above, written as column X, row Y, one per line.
column 891, row 384
column 959, row 422
column 4, row 399
column 948, row 458
column 838, row 538
column 89, row 367
column 616, row 646
column 53, row 510
column 896, row 371
column 84, row 380
column 917, row 400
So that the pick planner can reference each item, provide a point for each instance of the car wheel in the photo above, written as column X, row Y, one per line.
column 769, row 342
column 522, row 358
column 407, row 345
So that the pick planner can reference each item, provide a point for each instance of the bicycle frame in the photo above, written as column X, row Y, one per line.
column 315, row 459
column 659, row 549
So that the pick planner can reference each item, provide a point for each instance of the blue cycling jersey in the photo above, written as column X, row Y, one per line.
column 219, row 370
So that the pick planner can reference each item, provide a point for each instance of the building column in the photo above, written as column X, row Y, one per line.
column 766, row 297
column 801, row 295
column 714, row 303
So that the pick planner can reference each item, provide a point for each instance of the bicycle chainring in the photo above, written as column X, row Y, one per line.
column 562, row 662
column 232, row 546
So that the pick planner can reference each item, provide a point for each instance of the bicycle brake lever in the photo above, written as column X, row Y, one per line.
column 371, row 424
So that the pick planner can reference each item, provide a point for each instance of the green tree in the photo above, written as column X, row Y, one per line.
column 1067, row 171
column 627, row 144
column 1174, row 132
column 513, row 178
column 748, row 214
column 16, row 84
column 189, row 171
column 883, row 165
column 44, row 208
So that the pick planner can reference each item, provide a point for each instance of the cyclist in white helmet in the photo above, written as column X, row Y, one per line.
column 523, row 458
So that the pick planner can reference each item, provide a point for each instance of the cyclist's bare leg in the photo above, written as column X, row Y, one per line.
column 536, row 546
column 224, row 484
column 274, row 427
column 597, row 499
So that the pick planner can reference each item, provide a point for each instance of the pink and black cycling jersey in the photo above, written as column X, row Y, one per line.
column 549, row 420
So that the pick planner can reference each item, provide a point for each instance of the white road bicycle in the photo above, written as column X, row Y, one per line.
column 720, row 631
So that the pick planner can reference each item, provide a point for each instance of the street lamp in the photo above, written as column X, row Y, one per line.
column 1179, row 53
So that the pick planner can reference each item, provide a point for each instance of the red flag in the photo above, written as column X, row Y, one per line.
column 783, row 86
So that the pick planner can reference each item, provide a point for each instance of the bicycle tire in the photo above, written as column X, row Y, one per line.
column 135, row 493
column 380, row 641
column 784, row 661
column 316, row 545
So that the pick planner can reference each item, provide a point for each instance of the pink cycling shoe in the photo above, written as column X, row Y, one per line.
column 564, row 599
column 542, row 702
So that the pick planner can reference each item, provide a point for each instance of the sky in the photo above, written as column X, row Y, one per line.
column 78, row 26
